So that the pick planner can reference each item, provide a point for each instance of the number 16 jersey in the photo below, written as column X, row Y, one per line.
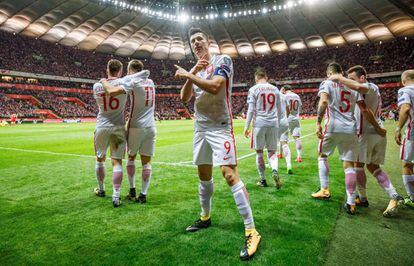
column 111, row 108
column 339, row 116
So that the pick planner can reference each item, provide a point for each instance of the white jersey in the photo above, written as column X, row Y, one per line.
column 372, row 100
column 294, row 105
column 111, row 108
column 213, row 112
column 340, row 112
column 264, row 102
column 141, row 90
column 406, row 95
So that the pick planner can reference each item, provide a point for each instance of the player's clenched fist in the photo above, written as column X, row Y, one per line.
column 319, row 133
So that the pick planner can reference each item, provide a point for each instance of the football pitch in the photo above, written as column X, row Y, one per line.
column 49, row 215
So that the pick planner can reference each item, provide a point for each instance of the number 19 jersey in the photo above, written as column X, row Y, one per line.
column 340, row 112
column 266, row 101
column 111, row 108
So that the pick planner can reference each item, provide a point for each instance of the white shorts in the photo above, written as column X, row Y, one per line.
column 112, row 137
column 294, row 130
column 141, row 140
column 347, row 145
column 214, row 147
column 371, row 149
column 264, row 137
column 407, row 151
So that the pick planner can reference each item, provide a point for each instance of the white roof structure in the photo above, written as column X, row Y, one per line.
column 240, row 28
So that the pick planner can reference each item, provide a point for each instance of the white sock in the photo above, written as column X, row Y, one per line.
column 323, row 172
column 273, row 161
column 146, row 178
column 116, row 180
column 100, row 174
column 286, row 153
column 409, row 185
column 350, row 184
column 261, row 167
column 130, row 168
column 205, row 190
column 241, row 197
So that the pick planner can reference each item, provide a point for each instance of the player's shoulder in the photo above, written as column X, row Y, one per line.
column 98, row 88
column 406, row 89
column 326, row 84
column 223, row 59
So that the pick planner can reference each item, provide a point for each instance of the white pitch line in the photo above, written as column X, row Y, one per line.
column 254, row 153
column 83, row 156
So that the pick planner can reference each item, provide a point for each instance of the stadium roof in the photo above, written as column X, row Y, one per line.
column 157, row 29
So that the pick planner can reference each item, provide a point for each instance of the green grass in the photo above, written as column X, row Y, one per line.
column 49, row 215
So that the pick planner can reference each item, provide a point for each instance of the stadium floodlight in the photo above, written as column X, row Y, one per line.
column 225, row 14
column 183, row 18
column 289, row 4
column 264, row 10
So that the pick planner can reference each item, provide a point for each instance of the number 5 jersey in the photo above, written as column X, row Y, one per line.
column 340, row 112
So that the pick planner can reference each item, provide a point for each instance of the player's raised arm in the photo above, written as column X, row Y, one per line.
column 352, row 84
column 187, row 89
column 212, row 86
column 110, row 89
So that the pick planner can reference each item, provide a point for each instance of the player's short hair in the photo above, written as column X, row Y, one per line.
column 260, row 72
column 287, row 87
column 136, row 65
column 358, row 70
column 272, row 82
column 114, row 66
column 334, row 67
column 193, row 31
column 408, row 75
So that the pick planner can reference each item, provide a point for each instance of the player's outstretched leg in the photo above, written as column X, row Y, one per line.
column 274, row 165
column 386, row 184
column 241, row 197
column 130, row 168
column 361, row 198
column 116, row 182
column 205, row 192
column 350, row 184
column 298, row 142
column 261, row 168
column 100, row 177
column 286, row 153
column 323, row 168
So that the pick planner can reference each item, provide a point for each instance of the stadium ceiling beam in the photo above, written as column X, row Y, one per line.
column 403, row 7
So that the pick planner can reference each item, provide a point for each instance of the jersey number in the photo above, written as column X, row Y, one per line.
column 345, row 102
column 270, row 99
column 294, row 105
column 149, row 96
column 113, row 103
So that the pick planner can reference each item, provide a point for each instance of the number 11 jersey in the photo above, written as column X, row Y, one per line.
column 339, row 116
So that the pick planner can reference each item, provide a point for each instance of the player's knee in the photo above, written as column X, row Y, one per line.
column 102, row 159
column 372, row 168
column 407, row 168
column 116, row 162
column 321, row 155
column 132, row 157
column 230, row 176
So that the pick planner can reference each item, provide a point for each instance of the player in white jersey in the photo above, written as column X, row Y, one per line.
column 283, row 127
column 372, row 141
column 294, row 105
column 110, row 131
column 406, row 114
column 141, row 125
column 265, row 108
column 210, row 81
column 338, row 102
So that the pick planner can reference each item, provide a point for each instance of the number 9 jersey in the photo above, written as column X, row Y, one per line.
column 111, row 108
column 340, row 112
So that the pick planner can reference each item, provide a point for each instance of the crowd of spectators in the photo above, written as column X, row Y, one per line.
column 47, row 58
column 14, row 106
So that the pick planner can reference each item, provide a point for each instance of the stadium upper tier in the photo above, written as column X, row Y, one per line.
column 36, row 56
column 158, row 28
